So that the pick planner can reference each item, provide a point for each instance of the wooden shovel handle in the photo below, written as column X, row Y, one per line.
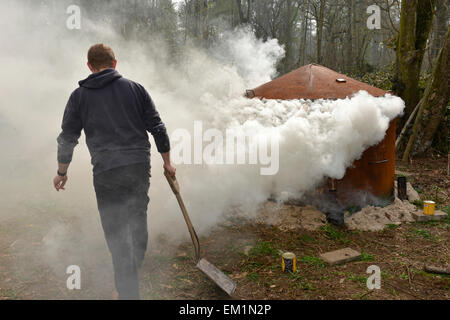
column 176, row 190
column 173, row 183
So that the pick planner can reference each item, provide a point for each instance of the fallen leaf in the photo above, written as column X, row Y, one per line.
column 238, row 275
column 187, row 281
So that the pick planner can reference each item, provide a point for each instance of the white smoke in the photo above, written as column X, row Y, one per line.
column 41, row 65
column 318, row 139
column 254, row 60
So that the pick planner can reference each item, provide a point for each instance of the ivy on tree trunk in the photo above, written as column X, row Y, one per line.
column 415, row 26
column 432, row 107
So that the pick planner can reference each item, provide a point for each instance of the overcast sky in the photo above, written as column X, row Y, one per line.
column 177, row 1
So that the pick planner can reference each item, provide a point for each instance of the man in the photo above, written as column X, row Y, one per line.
column 116, row 114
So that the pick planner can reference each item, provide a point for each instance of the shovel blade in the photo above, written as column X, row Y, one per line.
column 223, row 281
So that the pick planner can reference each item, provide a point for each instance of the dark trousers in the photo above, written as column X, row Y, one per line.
column 122, row 198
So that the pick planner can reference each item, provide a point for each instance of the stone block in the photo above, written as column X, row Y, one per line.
column 340, row 256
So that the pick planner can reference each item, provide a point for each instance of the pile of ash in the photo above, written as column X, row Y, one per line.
column 294, row 216
column 373, row 218
column 291, row 217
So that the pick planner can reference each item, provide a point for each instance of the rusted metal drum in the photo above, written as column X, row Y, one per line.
column 313, row 82
column 374, row 172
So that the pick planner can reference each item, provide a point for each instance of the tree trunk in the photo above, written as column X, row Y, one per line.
column 291, row 14
column 415, row 25
column 205, row 20
column 432, row 107
column 242, row 18
column 441, row 27
column 304, row 29
column 349, row 37
column 320, row 31
column 288, row 37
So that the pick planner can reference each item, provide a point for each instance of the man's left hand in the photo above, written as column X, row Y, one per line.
column 59, row 182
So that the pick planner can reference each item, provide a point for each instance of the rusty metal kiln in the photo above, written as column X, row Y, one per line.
column 374, row 172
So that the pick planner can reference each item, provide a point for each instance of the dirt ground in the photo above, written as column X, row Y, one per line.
column 249, row 252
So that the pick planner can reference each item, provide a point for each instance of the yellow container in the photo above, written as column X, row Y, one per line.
column 429, row 207
column 289, row 262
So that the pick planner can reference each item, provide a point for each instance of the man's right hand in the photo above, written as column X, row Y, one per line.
column 170, row 169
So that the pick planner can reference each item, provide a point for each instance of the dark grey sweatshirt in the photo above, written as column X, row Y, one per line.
column 116, row 114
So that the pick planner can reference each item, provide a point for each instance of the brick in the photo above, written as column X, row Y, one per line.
column 340, row 256
column 438, row 215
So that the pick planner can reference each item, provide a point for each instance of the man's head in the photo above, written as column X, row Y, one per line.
column 101, row 57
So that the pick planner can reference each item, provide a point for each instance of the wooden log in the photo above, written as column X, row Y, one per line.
column 434, row 269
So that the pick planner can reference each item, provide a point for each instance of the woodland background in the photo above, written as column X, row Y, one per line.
column 407, row 55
